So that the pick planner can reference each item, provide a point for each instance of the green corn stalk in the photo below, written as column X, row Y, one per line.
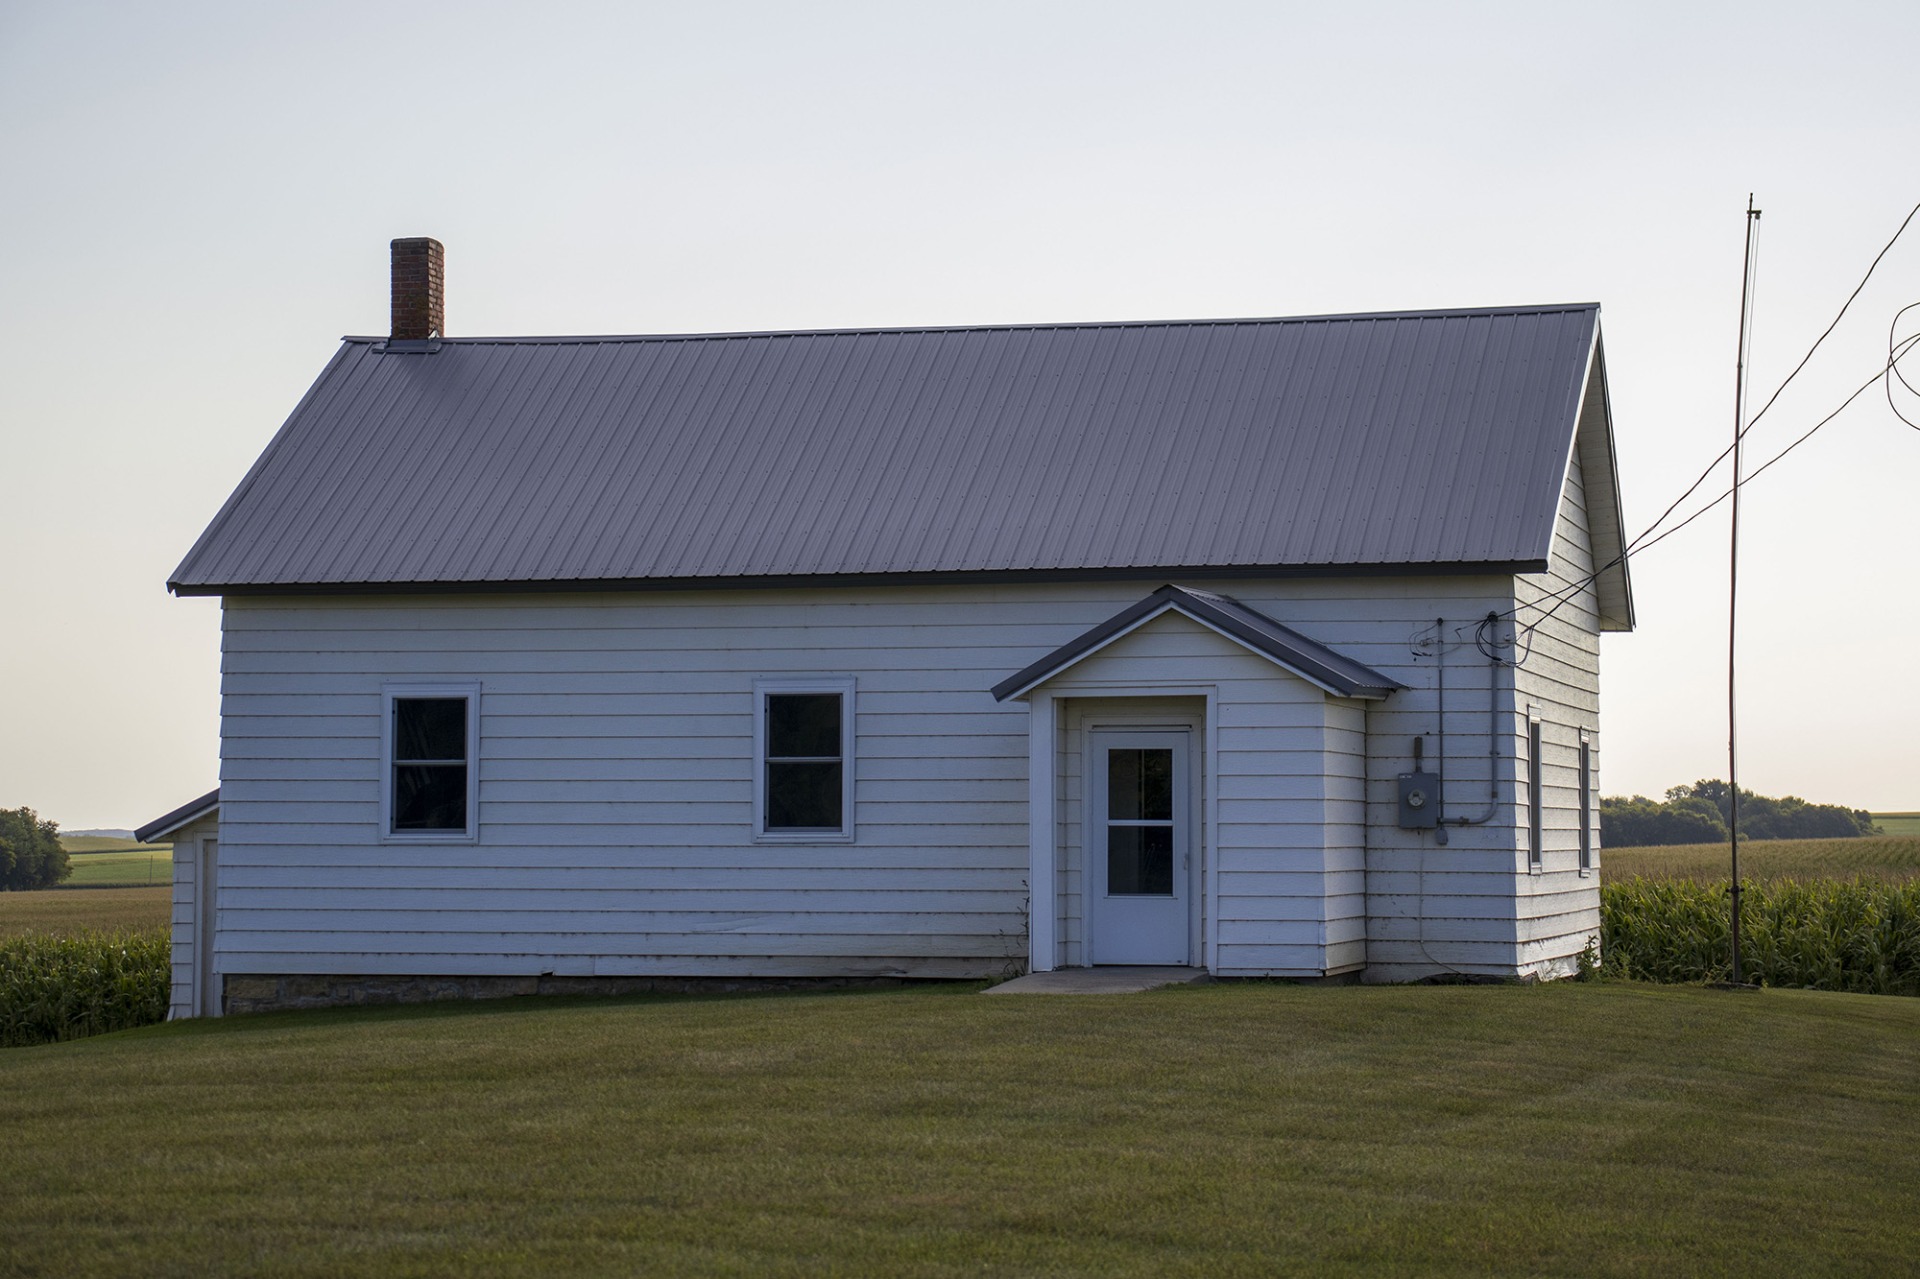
column 58, row 988
column 1857, row 935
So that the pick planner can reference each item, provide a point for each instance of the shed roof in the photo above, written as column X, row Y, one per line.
column 1417, row 441
column 1313, row 661
column 186, row 814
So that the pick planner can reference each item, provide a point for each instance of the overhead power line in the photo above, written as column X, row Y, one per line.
column 1644, row 542
column 1727, row 452
column 1653, row 536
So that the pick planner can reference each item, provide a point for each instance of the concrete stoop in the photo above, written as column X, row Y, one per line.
column 1098, row 981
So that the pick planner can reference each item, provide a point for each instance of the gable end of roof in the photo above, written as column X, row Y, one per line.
column 1313, row 661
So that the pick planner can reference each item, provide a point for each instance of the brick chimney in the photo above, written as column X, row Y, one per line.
column 419, row 289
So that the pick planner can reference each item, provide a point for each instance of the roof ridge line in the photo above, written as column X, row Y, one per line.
column 1545, row 308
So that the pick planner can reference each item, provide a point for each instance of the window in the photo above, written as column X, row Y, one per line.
column 429, row 742
column 1586, row 802
column 803, row 740
column 1535, row 800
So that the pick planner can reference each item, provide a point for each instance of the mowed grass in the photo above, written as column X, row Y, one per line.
column 1887, row 857
column 103, row 844
column 1256, row 1129
column 109, row 910
column 1898, row 823
column 99, row 861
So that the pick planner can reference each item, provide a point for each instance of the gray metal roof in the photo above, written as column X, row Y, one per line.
column 1395, row 442
column 1314, row 661
column 192, row 811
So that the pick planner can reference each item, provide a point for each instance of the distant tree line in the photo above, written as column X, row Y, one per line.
column 30, row 851
column 1700, row 813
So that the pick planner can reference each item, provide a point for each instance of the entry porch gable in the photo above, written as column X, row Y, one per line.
column 1278, row 763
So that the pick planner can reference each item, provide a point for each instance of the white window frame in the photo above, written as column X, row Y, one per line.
column 765, row 688
column 1536, row 785
column 1587, row 840
column 389, row 694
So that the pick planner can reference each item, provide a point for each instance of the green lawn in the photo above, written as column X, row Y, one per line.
column 1898, row 823
column 99, row 862
column 103, row 844
column 1877, row 857
column 104, row 909
column 1587, row 1129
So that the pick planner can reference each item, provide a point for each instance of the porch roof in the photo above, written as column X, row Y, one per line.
column 187, row 813
column 1312, row 661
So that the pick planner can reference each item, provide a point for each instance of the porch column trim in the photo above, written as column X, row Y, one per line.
column 1042, row 832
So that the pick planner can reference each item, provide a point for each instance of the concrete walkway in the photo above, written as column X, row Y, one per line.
column 1098, row 981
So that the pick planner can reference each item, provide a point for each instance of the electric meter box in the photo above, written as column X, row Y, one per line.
column 1419, row 801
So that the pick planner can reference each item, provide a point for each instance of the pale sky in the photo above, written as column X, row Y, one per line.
column 198, row 198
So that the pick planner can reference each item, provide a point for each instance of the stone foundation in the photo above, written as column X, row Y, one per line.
column 259, row 993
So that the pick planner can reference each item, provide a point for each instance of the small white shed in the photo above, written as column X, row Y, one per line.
column 194, row 831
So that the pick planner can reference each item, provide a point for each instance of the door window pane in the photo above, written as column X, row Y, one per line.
column 1140, row 785
column 1139, row 861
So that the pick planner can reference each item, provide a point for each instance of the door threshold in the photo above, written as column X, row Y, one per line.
column 1107, row 979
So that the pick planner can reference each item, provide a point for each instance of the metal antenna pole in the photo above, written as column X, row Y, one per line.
column 1733, row 577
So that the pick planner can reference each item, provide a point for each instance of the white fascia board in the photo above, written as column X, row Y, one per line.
column 1174, row 606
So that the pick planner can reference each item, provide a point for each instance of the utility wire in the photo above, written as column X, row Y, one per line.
column 1888, row 247
column 1727, row 452
column 1895, row 351
column 1485, row 641
column 1904, row 347
column 1892, row 328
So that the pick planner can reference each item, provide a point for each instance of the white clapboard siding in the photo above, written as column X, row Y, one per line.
column 1455, row 916
column 616, row 761
column 1559, row 908
column 184, row 920
column 186, row 899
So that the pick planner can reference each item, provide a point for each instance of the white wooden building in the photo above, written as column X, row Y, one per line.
column 558, row 663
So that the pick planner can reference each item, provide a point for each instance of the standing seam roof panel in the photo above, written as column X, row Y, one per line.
column 1417, row 439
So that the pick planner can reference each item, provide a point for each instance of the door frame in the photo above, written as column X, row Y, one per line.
column 1092, row 728
column 1045, row 720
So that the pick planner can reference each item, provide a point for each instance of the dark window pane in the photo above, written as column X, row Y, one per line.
column 1140, row 785
column 1140, row 861
column 803, row 724
column 1586, row 806
column 430, row 797
column 1534, row 831
column 430, row 728
column 803, row 796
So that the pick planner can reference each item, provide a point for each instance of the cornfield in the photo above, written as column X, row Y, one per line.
column 54, row 988
column 1860, row 935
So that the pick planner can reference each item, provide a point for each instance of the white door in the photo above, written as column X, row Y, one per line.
column 206, row 984
column 1139, row 846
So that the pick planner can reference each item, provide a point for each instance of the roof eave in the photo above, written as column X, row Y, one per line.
column 185, row 815
column 1622, row 618
column 937, row 577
